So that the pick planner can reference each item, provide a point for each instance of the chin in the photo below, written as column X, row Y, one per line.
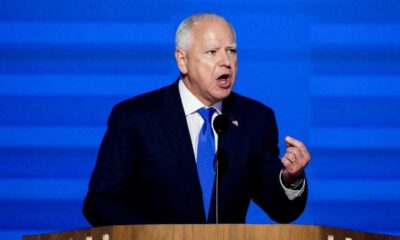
column 222, row 95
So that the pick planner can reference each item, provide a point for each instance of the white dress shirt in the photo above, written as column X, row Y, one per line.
column 191, row 105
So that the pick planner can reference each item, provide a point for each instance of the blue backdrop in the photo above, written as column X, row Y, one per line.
column 329, row 68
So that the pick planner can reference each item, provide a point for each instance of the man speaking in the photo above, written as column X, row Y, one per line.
column 194, row 151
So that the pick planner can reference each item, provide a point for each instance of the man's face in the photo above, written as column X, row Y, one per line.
column 209, row 65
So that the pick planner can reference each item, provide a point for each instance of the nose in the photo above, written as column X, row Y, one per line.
column 225, row 60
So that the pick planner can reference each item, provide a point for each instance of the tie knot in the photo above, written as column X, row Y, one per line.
column 206, row 114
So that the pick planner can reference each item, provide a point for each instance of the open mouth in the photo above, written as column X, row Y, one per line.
column 223, row 77
column 224, row 80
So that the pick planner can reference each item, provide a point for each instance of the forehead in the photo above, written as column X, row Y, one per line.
column 212, row 31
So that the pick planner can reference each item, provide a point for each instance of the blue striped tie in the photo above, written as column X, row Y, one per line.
column 205, row 157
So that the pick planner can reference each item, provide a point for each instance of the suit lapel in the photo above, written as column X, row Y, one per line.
column 231, row 142
column 174, row 123
column 176, row 128
column 229, row 151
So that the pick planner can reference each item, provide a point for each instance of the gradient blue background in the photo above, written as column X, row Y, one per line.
column 329, row 69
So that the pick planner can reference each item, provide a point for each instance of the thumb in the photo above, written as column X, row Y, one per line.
column 292, row 142
column 289, row 141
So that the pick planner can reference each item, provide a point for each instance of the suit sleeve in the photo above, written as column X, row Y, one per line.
column 110, row 199
column 268, row 191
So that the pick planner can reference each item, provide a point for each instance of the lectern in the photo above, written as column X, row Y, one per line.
column 212, row 232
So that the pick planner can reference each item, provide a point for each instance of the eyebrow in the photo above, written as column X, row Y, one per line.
column 234, row 45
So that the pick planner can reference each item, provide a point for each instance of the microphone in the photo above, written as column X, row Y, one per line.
column 221, row 124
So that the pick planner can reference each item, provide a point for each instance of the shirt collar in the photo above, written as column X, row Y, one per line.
column 191, row 103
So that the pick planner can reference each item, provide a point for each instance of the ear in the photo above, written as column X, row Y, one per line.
column 181, row 60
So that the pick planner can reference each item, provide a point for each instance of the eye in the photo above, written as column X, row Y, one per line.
column 211, row 52
column 231, row 50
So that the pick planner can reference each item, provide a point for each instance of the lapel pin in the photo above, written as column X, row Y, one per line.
column 235, row 122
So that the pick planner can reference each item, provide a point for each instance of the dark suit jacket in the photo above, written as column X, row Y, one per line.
column 146, row 170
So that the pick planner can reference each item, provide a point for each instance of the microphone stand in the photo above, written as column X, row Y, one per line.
column 221, row 126
column 216, row 187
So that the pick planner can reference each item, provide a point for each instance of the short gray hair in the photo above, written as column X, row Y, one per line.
column 184, row 31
